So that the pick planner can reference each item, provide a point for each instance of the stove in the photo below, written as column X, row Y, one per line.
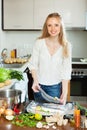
column 78, row 83
column 79, row 68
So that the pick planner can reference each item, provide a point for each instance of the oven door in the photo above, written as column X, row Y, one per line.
column 78, row 88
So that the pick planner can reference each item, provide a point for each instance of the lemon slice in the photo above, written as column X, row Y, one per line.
column 10, row 117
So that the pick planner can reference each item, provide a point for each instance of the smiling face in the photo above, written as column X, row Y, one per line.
column 53, row 26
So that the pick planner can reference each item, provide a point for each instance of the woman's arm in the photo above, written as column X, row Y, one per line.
column 66, row 75
column 63, row 97
column 35, row 85
column 33, row 65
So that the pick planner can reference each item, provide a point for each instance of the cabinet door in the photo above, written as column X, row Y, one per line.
column 17, row 14
column 41, row 10
column 72, row 11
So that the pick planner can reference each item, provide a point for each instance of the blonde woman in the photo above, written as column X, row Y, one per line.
column 50, row 64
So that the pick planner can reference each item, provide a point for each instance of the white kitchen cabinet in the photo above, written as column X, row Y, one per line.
column 17, row 14
column 31, row 14
column 41, row 10
column 72, row 12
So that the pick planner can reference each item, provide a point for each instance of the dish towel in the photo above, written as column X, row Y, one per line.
column 23, row 86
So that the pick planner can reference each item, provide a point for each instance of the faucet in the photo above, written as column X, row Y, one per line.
column 4, row 53
column 3, row 56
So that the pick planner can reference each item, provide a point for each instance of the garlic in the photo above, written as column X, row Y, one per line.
column 85, row 123
column 65, row 121
column 51, row 119
column 46, row 126
column 54, row 127
column 50, row 124
column 39, row 125
column 59, row 123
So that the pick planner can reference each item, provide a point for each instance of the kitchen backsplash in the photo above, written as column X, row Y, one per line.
column 23, row 41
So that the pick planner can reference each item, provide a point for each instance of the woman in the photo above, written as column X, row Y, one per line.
column 50, row 63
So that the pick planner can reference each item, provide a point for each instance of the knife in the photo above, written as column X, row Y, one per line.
column 48, row 97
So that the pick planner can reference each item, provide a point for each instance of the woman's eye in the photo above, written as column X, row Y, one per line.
column 49, row 25
column 56, row 25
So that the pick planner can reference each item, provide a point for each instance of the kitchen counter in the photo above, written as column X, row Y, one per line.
column 23, row 68
column 16, row 66
column 74, row 62
column 19, row 64
column 7, row 125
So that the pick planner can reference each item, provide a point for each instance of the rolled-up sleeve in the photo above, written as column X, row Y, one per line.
column 67, row 65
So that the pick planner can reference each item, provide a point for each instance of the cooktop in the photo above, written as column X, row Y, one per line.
column 79, row 60
column 76, row 59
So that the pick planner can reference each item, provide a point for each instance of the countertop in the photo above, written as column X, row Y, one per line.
column 7, row 125
column 23, row 68
column 16, row 66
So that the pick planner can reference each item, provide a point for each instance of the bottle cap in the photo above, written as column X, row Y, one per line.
column 82, row 112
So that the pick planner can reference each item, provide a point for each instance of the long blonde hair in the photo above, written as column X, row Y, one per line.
column 62, row 36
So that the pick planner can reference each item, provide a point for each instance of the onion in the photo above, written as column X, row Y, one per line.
column 2, row 110
column 9, row 112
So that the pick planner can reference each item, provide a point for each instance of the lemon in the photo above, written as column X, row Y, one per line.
column 38, row 116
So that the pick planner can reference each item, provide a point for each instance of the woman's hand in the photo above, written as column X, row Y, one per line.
column 35, row 86
column 63, row 99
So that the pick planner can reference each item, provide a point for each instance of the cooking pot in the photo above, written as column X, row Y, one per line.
column 10, row 98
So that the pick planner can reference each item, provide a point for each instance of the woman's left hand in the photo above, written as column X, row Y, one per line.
column 63, row 99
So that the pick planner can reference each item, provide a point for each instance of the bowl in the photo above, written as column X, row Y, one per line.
column 10, row 98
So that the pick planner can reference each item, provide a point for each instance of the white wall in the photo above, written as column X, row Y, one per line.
column 79, row 43
column 24, row 40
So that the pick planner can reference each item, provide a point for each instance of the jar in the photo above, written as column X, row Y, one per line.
column 14, row 53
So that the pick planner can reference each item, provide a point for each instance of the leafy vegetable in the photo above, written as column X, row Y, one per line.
column 10, row 74
column 4, row 74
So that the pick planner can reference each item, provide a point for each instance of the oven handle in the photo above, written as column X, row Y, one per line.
column 79, row 76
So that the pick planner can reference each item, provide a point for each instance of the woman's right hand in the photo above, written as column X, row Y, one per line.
column 35, row 87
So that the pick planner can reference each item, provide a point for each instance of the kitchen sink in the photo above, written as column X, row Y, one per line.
column 15, row 65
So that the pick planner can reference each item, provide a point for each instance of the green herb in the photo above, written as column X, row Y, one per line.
column 14, row 74
column 25, row 119
column 80, row 107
